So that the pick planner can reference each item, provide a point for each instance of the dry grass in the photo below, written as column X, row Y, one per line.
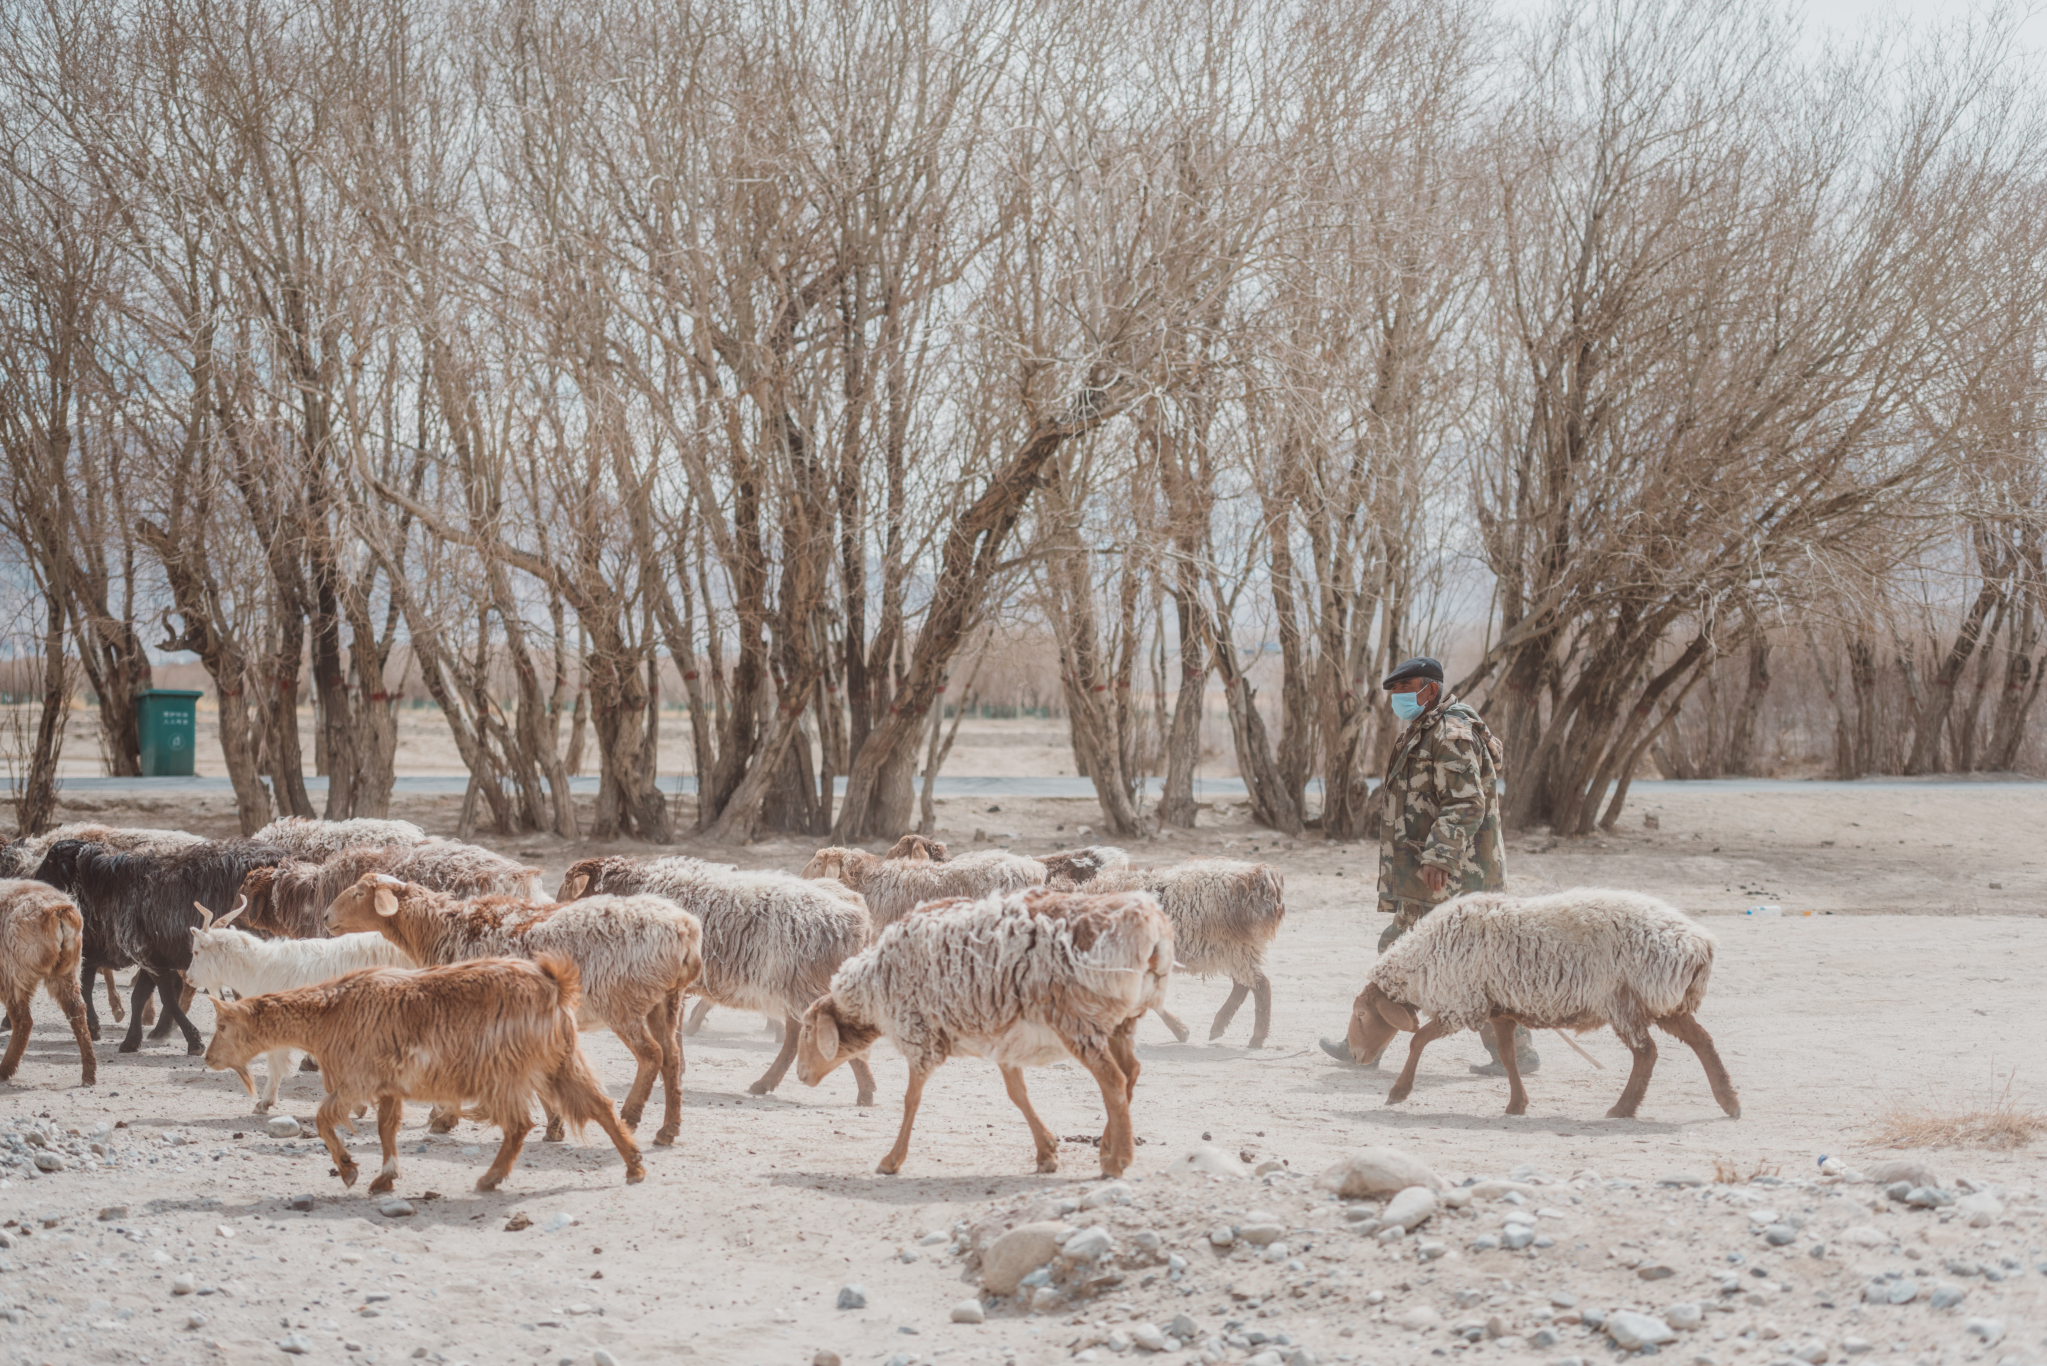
column 1729, row 1174
column 2004, row 1123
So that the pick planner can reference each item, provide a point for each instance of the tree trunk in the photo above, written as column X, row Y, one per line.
column 1177, row 807
column 1741, row 733
column 35, row 808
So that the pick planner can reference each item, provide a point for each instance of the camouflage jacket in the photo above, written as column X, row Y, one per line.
column 1440, row 806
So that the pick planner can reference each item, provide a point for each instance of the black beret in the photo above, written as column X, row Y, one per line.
column 1421, row 666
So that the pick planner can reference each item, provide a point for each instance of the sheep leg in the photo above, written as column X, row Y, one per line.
column 772, row 1078
column 1172, row 1022
column 1517, row 1098
column 332, row 1109
column 667, row 1021
column 174, row 1002
column 87, row 980
column 508, row 1152
column 1638, row 1076
column 113, row 997
column 554, row 1132
column 1261, row 1008
column 864, row 1075
column 1238, row 991
column 70, row 1000
column 275, row 1061
column 165, row 1024
column 572, row 1090
column 1686, row 1027
column 443, row 1119
column 1117, row 1146
column 1047, row 1142
column 19, row 1022
column 696, row 1016
column 144, row 987
column 635, row 1035
column 309, row 1063
column 1423, row 1037
column 1123, row 1048
column 913, row 1094
column 390, row 1110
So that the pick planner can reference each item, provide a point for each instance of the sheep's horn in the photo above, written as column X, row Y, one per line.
column 241, row 904
column 207, row 922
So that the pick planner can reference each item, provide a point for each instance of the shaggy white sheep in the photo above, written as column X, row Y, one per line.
column 895, row 886
column 1572, row 960
column 1022, row 980
column 311, row 837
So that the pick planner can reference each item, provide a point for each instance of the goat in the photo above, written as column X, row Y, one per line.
column 137, row 908
column 1225, row 914
column 893, row 887
column 771, row 941
column 1573, row 960
column 21, row 857
column 41, row 937
column 291, row 899
column 310, row 837
column 226, row 959
column 493, row 1033
column 917, row 848
column 637, row 955
column 1023, row 980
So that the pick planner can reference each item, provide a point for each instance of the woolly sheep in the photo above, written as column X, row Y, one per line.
column 494, row 1034
column 1572, row 960
column 895, row 886
column 225, row 959
column 41, row 936
column 1225, row 913
column 291, row 899
column 1023, row 980
column 311, row 837
column 771, row 941
column 637, row 956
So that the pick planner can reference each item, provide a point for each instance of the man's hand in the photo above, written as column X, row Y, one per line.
column 1434, row 878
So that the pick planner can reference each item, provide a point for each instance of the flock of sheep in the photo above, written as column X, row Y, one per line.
column 424, row 969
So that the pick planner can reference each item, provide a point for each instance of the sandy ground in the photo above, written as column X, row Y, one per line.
column 1915, row 980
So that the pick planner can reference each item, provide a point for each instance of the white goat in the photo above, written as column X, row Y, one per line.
column 1572, row 960
column 1023, row 980
column 225, row 959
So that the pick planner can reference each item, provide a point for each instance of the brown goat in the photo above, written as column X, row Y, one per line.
column 290, row 900
column 495, row 1033
column 41, row 935
column 637, row 956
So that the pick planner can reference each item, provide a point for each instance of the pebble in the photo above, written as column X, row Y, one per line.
column 1855, row 1347
column 825, row 1357
column 1682, row 1179
column 1777, row 1235
column 1261, row 1230
column 396, row 1209
column 1222, row 1235
column 852, row 1297
column 1013, row 1255
column 1812, row 1353
column 113, row 1212
column 282, row 1126
column 195, row 1319
column 1990, row 1330
column 1544, row 1337
column 1655, row 1271
column 298, row 1344
column 1684, row 1317
column 1090, row 1244
column 1946, row 1295
column 1904, row 1170
column 1981, row 1209
column 1865, row 1235
column 1213, row 1160
column 968, row 1311
column 1632, row 1332
column 1148, row 1336
column 1377, row 1171
column 1928, row 1197
column 559, row 1222
column 184, row 1284
column 1416, row 1317
column 47, row 1161
column 1410, row 1207
column 1485, row 1242
column 302, row 1202
column 1112, row 1193
column 1514, row 1237
column 600, row 1357
column 1430, row 1251
column 1183, row 1328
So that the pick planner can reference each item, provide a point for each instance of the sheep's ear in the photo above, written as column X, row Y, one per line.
column 575, row 885
column 1397, row 1015
column 824, row 1027
column 386, row 902
column 241, row 904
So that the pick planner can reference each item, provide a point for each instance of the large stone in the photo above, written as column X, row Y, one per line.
column 1090, row 1244
column 1017, row 1253
column 1373, row 1172
column 968, row 1311
column 1631, row 1332
column 282, row 1126
column 1410, row 1207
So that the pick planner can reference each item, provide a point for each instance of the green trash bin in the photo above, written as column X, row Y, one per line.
column 168, row 720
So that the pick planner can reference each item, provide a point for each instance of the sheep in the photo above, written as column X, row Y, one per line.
column 21, row 857
column 291, row 898
column 1078, row 867
column 637, row 955
column 771, row 941
column 917, row 848
column 310, row 837
column 1225, row 913
column 226, row 959
column 1572, row 960
column 495, row 1033
column 1023, row 980
column 41, row 938
column 893, row 886
column 137, row 908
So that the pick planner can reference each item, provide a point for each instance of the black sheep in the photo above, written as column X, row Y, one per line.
column 138, row 909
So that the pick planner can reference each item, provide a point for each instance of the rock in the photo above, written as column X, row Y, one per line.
column 1389, row 1235
column 1928, row 1197
column 518, row 1222
column 1901, row 1169
column 1855, row 1347
column 1222, row 1235
column 1147, row 1241
column 1261, row 1229
column 556, row 1223
column 1684, row 1317
column 1544, row 1337
column 1018, row 1252
column 1113, row 1193
column 968, row 1311
column 1485, row 1242
column 1865, row 1235
column 1655, row 1271
column 1778, row 1235
column 184, row 1284
column 1990, row 1330
column 302, row 1202
column 1148, row 1336
column 852, row 1297
column 1410, row 1207
column 1090, row 1244
column 397, row 1209
column 298, row 1344
column 1268, row 1166
column 195, row 1319
column 1812, row 1353
column 1417, row 1317
column 1514, row 1237
column 1900, row 1292
column 1378, row 1171
column 1209, row 1159
column 1183, row 1328
column 1981, row 1209
column 1631, row 1332
column 1429, row 1251
column 600, row 1357
column 47, row 1161
column 282, row 1126
column 1946, row 1294
column 825, row 1357
column 1898, row 1190
column 1494, row 1190
column 113, row 1212
column 1683, row 1179
column 933, row 1239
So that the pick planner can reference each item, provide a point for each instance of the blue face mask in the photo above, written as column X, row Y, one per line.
column 1407, row 706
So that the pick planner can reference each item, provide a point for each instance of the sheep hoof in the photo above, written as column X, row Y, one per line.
column 1733, row 1109
column 866, row 1098
column 347, row 1175
column 1217, row 1032
column 634, row 1175
column 666, row 1135
column 485, row 1184
column 1257, row 1041
column 554, row 1133
column 1520, row 1109
column 1396, row 1095
column 759, row 1088
column 130, row 1046
column 889, row 1166
column 1618, row 1112
column 383, row 1184
column 1048, row 1164
column 630, row 1118
column 194, row 1049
